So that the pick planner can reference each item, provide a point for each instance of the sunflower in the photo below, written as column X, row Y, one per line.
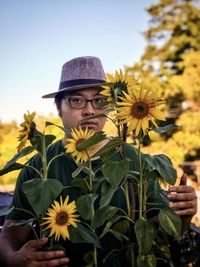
column 137, row 109
column 80, row 135
column 59, row 217
column 27, row 125
column 118, row 81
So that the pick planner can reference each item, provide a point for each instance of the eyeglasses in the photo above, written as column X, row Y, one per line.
column 79, row 103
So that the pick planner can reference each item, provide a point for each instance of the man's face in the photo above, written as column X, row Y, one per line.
column 71, row 117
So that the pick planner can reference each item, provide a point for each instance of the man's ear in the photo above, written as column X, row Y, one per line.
column 59, row 110
column 59, row 113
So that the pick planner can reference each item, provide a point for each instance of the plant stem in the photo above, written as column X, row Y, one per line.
column 145, row 198
column 140, row 192
column 90, row 175
column 95, row 256
column 127, row 199
column 132, row 257
column 44, row 158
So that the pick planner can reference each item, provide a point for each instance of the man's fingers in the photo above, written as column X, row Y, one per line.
column 183, row 180
column 47, row 255
column 182, row 196
column 181, row 189
column 185, row 212
column 38, row 243
column 183, row 205
column 55, row 262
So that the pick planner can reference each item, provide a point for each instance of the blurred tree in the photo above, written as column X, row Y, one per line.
column 9, row 142
column 171, row 65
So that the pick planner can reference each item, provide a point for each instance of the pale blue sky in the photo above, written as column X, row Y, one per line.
column 38, row 36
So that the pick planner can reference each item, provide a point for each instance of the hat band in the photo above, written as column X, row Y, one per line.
column 79, row 82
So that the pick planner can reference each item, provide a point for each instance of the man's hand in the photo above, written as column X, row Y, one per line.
column 16, row 250
column 30, row 255
column 183, row 200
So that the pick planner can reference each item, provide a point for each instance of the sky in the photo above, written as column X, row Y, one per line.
column 39, row 36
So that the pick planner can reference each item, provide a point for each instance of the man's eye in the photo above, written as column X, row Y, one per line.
column 77, row 100
column 100, row 100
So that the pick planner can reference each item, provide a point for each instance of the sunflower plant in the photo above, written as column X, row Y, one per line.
column 144, row 226
column 53, row 217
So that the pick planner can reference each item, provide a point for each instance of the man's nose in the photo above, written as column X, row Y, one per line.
column 89, row 110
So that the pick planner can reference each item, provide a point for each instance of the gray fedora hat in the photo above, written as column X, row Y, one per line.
column 80, row 73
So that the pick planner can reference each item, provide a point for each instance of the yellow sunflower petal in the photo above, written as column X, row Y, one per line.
column 59, row 217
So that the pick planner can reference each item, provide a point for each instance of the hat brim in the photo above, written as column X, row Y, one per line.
column 72, row 88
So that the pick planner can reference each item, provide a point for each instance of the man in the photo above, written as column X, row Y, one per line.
column 78, row 97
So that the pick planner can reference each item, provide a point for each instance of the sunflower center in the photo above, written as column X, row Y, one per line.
column 140, row 110
column 62, row 218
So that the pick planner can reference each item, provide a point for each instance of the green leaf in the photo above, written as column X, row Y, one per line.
column 77, row 171
column 170, row 222
column 166, row 128
column 41, row 194
column 10, row 168
column 103, row 215
column 146, row 260
column 164, row 252
column 110, row 223
column 81, row 234
column 83, row 168
column 119, row 236
column 23, row 222
column 101, row 115
column 115, row 171
column 95, row 139
column 49, row 138
column 145, row 233
column 163, row 165
column 85, row 206
column 107, row 193
column 5, row 210
column 122, row 226
column 80, row 183
column 37, row 140
column 65, row 130
column 11, row 165
column 109, row 148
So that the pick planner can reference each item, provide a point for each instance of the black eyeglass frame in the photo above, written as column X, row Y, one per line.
column 95, row 105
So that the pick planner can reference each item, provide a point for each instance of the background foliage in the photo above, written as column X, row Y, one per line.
column 170, row 64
